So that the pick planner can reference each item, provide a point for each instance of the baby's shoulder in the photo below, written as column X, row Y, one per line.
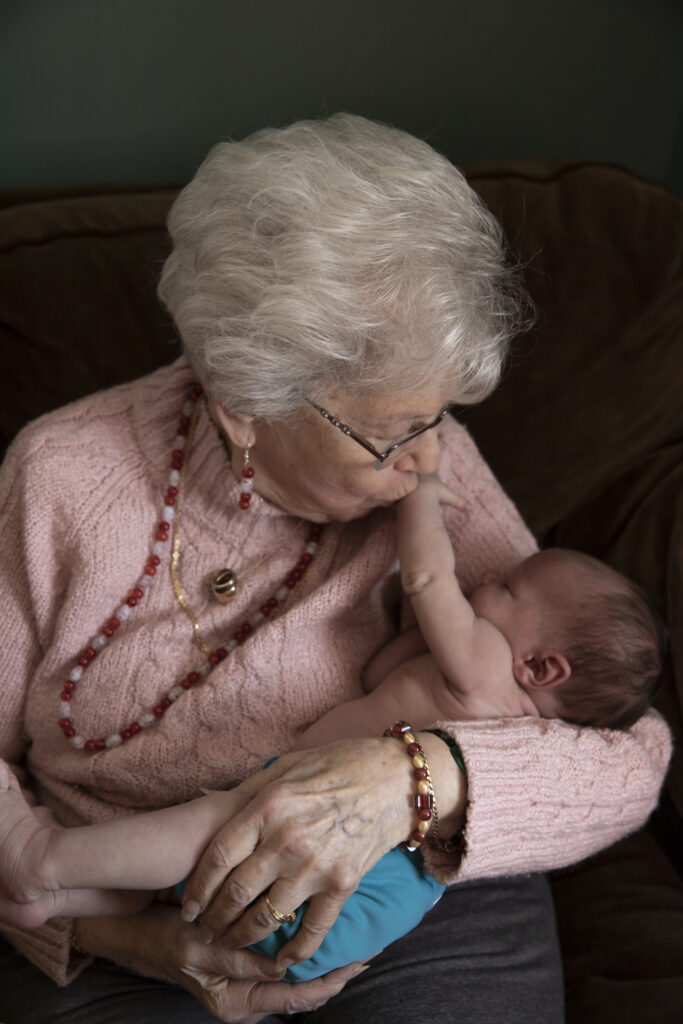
column 489, row 691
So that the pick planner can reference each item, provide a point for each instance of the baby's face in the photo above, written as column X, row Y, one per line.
column 532, row 600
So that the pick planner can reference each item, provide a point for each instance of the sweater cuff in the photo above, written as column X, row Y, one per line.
column 543, row 794
column 49, row 948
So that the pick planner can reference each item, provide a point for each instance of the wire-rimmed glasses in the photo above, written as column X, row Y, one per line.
column 381, row 457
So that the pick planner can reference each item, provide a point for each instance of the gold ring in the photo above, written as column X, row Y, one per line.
column 280, row 918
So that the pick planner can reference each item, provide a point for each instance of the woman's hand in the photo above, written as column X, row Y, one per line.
column 318, row 820
column 236, row 986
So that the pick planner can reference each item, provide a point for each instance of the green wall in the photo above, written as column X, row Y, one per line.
column 136, row 90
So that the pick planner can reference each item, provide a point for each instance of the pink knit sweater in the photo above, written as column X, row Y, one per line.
column 80, row 494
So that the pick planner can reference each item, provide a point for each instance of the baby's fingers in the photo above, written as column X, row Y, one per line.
column 434, row 488
column 452, row 498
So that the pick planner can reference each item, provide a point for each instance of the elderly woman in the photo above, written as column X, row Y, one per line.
column 190, row 579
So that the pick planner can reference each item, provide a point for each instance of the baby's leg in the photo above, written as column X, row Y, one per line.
column 146, row 851
column 25, row 900
column 23, row 841
column 74, row 903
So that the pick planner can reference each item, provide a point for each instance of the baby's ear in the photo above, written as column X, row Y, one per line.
column 542, row 669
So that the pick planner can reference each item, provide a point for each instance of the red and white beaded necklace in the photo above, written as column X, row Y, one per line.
column 179, row 459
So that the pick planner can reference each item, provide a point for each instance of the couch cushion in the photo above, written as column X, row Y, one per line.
column 597, row 382
column 78, row 308
column 620, row 920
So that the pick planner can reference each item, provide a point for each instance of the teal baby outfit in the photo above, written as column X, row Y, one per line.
column 391, row 900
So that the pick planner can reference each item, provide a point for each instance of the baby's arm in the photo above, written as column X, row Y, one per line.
column 461, row 677
column 404, row 693
column 396, row 652
column 470, row 652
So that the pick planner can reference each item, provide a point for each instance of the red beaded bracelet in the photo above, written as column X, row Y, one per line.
column 425, row 801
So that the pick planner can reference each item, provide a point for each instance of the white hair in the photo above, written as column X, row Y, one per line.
column 340, row 254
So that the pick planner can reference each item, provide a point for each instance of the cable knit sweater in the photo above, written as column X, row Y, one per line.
column 80, row 496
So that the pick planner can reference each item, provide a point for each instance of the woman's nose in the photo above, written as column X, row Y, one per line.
column 422, row 455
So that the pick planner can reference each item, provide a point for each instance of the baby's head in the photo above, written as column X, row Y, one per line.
column 587, row 644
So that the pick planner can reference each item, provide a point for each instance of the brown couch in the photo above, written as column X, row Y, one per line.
column 586, row 434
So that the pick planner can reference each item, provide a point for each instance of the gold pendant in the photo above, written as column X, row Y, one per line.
column 224, row 586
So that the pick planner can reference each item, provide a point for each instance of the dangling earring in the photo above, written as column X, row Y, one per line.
column 247, row 482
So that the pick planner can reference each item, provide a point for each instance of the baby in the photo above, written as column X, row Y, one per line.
column 560, row 636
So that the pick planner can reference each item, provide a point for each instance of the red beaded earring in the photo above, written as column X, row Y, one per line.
column 247, row 482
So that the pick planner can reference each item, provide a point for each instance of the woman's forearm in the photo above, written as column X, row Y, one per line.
column 157, row 944
column 125, row 941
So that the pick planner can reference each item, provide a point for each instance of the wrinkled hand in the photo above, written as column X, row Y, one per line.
column 236, row 986
column 317, row 821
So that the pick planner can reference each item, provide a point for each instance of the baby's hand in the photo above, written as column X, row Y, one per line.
column 433, row 489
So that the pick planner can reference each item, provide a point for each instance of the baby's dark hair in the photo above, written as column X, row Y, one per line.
column 616, row 646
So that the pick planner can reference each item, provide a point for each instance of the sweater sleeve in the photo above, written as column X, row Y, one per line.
column 25, row 632
column 541, row 794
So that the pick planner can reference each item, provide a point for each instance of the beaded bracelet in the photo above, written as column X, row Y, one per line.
column 456, row 844
column 456, row 752
column 425, row 801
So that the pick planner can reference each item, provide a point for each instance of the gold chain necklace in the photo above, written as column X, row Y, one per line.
column 227, row 579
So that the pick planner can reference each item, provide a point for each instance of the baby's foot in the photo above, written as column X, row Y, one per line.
column 23, row 851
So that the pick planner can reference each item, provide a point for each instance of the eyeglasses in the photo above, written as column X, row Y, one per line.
column 381, row 457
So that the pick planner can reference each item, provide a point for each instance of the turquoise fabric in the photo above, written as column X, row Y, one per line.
column 391, row 899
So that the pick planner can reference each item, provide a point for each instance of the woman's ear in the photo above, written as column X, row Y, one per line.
column 541, row 669
column 238, row 427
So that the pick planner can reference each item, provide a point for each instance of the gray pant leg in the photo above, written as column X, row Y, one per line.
column 102, row 994
column 486, row 953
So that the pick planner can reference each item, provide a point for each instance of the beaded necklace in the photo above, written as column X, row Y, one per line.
column 179, row 459
column 175, row 550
